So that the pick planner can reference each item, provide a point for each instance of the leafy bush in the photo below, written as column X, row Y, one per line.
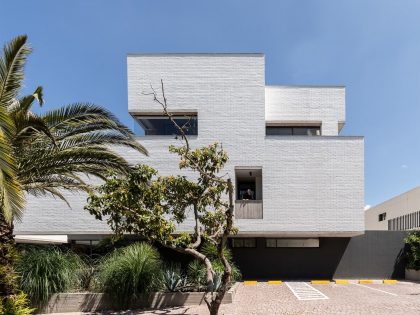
column 8, row 259
column 173, row 280
column 197, row 274
column 47, row 271
column 15, row 305
column 412, row 242
column 197, row 269
column 128, row 273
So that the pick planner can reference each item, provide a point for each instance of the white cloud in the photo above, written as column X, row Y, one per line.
column 367, row 207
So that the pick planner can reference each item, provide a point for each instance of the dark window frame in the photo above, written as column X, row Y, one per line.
column 243, row 240
column 292, row 130
column 188, row 121
column 382, row 216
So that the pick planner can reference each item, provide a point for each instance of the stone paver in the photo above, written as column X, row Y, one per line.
column 346, row 299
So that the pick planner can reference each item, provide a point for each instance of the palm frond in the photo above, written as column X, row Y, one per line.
column 12, row 64
column 46, row 154
column 83, row 113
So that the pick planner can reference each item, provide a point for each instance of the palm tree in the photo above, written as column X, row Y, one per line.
column 11, row 193
column 48, row 153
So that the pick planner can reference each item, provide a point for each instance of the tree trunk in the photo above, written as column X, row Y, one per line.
column 8, row 278
column 214, row 308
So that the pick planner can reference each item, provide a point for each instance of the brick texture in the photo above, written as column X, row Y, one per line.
column 311, row 185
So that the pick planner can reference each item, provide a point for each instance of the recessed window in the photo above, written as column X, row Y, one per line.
column 163, row 126
column 244, row 243
column 382, row 216
column 248, row 184
column 292, row 242
column 293, row 130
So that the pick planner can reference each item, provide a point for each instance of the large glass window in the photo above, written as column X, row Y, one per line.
column 163, row 126
column 293, row 131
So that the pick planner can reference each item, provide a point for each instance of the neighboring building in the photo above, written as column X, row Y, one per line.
column 306, row 181
column 396, row 214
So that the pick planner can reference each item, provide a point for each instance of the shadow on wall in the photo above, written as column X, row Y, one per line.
column 376, row 254
column 291, row 263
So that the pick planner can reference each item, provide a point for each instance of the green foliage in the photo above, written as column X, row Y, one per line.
column 197, row 274
column 149, row 205
column 173, row 280
column 128, row 273
column 146, row 204
column 12, row 64
column 15, row 305
column 44, row 154
column 47, row 271
column 413, row 250
column 8, row 277
column 197, row 269
column 210, row 250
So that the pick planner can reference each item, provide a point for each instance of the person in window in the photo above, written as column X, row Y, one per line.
column 248, row 195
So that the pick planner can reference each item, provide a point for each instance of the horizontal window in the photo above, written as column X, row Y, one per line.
column 244, row 243
column 293, row 131
column 292, row 242
column 163, row 126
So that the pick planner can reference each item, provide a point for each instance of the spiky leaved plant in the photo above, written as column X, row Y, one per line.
column 45, row 271
column 47, row 153
column 128, row 273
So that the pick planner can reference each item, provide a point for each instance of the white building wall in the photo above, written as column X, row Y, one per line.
column 395, row 207
column 306, row 104
column 311, row 185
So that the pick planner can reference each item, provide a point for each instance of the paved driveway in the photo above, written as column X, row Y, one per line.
column 352, row 299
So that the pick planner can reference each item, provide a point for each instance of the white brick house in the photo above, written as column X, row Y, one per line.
column 306, row 181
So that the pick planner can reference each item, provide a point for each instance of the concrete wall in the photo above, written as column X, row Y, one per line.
column 300, row 104
column 374, row 255
column 405, row 203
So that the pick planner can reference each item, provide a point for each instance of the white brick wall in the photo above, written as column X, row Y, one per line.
column 311, row 185
column 302, row 103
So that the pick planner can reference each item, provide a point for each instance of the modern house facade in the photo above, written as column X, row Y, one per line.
column 299, row 184
column 400, row 213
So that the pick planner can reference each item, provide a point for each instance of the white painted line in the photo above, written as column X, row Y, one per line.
column 304, row 292
column 362, row 285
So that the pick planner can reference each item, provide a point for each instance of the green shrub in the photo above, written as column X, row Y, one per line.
column 8, row 260
column 412, row 242
column 197, row 269
column 15, row 305
column 128, row 273
column 197, row 274
column 44, row 272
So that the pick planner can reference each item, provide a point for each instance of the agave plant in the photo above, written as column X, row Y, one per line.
column 173, row 280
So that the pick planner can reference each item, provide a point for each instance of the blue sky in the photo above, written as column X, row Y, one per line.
column 371, row 47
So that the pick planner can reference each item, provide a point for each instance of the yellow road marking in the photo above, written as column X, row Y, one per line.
column 365, row 281
column 275, row 282
column 320, row 282
column 250, row 282
column 390, row 281
column 342, row 281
